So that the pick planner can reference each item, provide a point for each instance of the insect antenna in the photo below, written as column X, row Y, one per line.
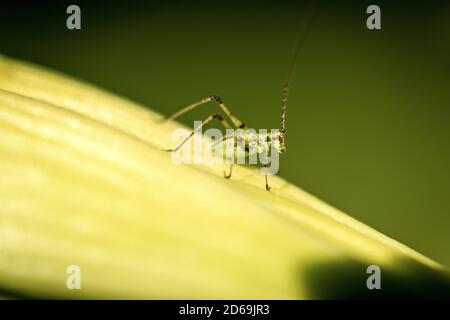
column 304, row 30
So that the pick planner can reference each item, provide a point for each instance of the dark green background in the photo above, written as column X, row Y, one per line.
column 368, row 114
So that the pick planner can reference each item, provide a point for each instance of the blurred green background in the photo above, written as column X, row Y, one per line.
column 368, row 112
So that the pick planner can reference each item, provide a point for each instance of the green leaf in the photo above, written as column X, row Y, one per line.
column 84, row 181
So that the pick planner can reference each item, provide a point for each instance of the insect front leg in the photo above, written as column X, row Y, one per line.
column 224, row 140
column 265, row 177
column 230, row 171
column 267, row 183
column 266, row 150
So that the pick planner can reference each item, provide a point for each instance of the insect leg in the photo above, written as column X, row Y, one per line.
column 187, row 108
column 204, row 122
column 239, row 124
column 267, row 183
column 223, row 140
column 228, row 175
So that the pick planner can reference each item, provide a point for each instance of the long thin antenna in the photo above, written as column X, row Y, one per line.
column 304, row 30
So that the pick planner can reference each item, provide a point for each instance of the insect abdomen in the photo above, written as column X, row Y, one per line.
column 243, row 146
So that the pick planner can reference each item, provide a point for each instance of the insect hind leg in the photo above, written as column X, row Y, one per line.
column 204, row 122
column 238, row 123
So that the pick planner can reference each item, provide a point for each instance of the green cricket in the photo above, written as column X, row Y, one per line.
column 248, row 143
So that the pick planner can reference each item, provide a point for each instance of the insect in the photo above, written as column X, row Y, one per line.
column 249, row 143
